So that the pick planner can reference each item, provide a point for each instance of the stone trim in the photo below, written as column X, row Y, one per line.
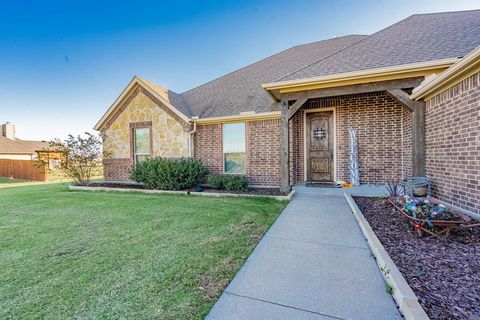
column 138, row 125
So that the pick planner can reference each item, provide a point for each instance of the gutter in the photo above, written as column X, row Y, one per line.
column 243, row 116
column 361, row 76
column 462, row 69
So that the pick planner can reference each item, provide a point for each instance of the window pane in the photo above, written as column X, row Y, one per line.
column 142, row 140
column 233, row 137
column 235, row 163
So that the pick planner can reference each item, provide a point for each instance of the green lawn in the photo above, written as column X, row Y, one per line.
column 8, row 180
column 108, row 255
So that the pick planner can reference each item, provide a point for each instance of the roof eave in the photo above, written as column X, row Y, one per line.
column 136, row 81
column 244, row 116
column 275, row 89
column 462, row 69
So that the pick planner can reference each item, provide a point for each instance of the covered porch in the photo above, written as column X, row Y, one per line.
column 315, row 132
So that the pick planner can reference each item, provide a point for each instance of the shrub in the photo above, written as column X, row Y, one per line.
column 169, row 174
column 216, row 182
column 229, row 182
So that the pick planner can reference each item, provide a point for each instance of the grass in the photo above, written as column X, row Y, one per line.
column 108, row 255
column 8, row 180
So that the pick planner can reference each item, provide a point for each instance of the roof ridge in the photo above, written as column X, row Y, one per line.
column 258, row 61
column 310, row 64
column 349, row 46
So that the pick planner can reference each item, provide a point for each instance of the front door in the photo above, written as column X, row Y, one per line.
column 319, row 143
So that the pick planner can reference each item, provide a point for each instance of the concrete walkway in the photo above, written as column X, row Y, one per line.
column 313, row 263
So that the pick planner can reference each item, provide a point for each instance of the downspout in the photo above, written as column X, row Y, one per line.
column 191, row 140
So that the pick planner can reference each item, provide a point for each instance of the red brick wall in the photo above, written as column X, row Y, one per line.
column 384, row 136
column 263, row 149
column 116, row 169
column 384, row 131
column 453, row 144
column 208, row 147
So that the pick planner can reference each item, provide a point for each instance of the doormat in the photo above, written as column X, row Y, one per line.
column 322, row 184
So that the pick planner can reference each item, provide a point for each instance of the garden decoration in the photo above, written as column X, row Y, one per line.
column 418, row 187
column 430, row 215
column 353, row 165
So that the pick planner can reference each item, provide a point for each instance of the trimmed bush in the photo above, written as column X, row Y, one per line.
column 169, row 174
column 216, row 182
column 229, row 182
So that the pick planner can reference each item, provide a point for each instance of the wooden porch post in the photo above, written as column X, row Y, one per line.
column 418, row 139
column 418, row 129
column 285, row 148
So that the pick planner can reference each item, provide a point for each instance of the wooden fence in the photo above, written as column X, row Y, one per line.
column 22, row 169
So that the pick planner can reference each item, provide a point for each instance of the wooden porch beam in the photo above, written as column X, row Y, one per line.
column 355, row 89
column 285, row 147
column 402, row 97
column 296, row 106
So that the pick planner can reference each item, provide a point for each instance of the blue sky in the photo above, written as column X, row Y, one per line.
column 62, row 63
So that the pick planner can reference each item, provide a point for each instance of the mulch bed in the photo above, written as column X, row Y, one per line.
column 444, row 272
column 252, row 191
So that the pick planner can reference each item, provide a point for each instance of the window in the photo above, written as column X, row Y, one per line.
column 141, row 144
column 234, row 148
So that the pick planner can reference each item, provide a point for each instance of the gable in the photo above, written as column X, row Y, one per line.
column 160, row 96
column 169, row 134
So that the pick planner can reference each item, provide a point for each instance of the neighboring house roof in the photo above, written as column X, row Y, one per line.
column 9, row 146
column 418, row 38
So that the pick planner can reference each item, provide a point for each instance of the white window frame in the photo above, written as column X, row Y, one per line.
column 244, row 152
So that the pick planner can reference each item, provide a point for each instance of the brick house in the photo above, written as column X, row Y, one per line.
column 286, row 119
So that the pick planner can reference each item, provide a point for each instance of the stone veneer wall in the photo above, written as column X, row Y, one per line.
column 384, row 136
column 452, row 124
column 263, row 150
column 169, row 136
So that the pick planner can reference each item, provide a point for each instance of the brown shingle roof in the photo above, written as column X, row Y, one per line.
column 21, row 146
column 418, row 38
column 174, row 98
column 241, row 90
